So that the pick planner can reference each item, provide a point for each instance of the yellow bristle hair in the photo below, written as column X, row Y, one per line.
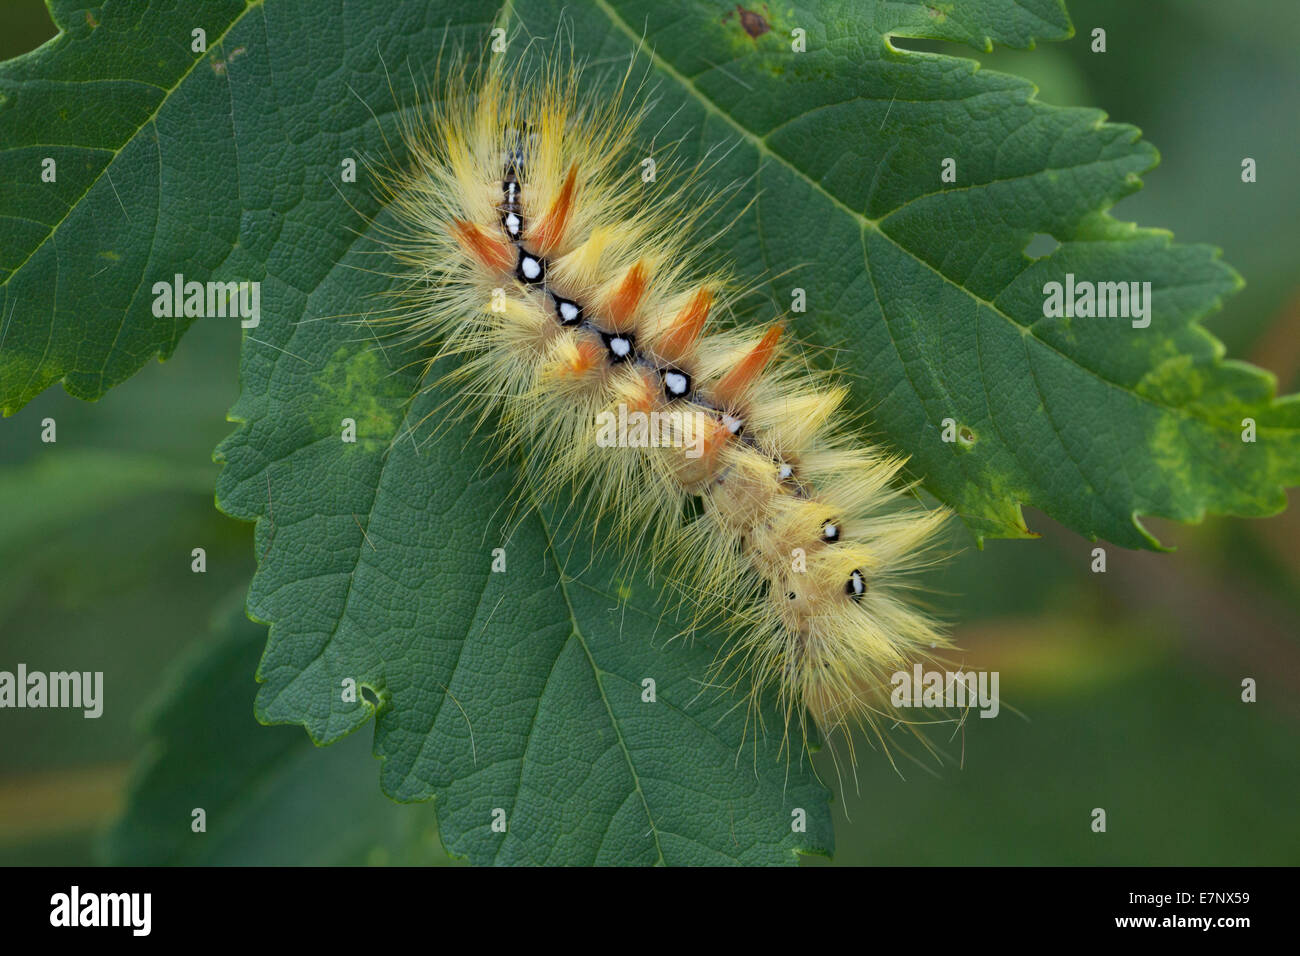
column 574, row 299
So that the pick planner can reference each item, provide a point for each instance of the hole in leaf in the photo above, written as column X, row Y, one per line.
column 966, row 436
column 369, row 696
column 1041, row 244
column 920, row 44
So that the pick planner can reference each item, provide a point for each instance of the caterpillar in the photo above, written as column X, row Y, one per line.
column 572, row 297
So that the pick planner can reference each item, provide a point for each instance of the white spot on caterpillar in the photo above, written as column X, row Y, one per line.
column 568, row 312
column 620, row 346
column 785, row 471
column 856, row 586
column 733, row 424
column 513, row 224
column 675, row 382
column 530, row 267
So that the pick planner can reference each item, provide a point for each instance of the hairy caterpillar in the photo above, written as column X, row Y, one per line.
column 571, row 295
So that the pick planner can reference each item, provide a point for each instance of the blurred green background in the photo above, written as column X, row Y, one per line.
column 1126, row 685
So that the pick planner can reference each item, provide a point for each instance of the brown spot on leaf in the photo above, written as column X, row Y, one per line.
column 752, row 23
column 91, row 21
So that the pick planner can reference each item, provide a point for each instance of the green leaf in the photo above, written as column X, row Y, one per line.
column 269, row 797
column 148, row 181
column 922, row 283
column 514, row 696
column 925, row 289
